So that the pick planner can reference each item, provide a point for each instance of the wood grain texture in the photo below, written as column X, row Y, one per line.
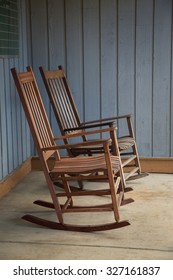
column 144, row 70
column 118, row 60
column 161, row 78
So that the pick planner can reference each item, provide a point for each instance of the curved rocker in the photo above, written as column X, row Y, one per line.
column 79, row 228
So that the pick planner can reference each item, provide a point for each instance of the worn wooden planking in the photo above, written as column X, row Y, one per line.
column 22, row 67
column 28, row 50
column 16, row 108
column 124, row 31
column 126, row 60
column 15, row 136
column 3, row 122
column 171, row 103
column 91, row 56
column 108, row 49
column 39, row 31
column 57, row 44
column 28, row 42
column 161, row 78
column 14, row 177
column 24, row 50
column 130, row 26
column 17, row 153
column 1, row 90
column 8, row 106
column 3, row 135
column 144, row 70
column 20, row 143
column 74, row 51
column 56, row 34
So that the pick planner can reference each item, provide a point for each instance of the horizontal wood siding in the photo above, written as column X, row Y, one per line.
column 15, row 145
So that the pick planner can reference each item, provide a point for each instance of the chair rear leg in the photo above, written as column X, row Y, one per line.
column 137, row 162
column 113, row 188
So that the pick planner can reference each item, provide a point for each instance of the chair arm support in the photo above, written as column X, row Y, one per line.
column 108, row 119
column 128, row 120
column 67, row 136
column 81, row 144
column 83, row 126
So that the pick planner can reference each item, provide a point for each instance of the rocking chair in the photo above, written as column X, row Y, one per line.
column 104, row 166
column 69, row 122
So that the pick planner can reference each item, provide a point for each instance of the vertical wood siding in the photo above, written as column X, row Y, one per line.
column 161, row 78
column 118, row 59
column 144, row 75
column 15, row 146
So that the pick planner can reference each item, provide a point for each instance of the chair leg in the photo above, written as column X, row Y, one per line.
column 116, row 152
column 113, row 188
column 70, row 208
column 137, row 162
column 55, row 200
column 138, row 165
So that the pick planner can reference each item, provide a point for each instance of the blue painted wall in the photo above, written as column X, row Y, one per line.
column 118, row 58
column 15, row 144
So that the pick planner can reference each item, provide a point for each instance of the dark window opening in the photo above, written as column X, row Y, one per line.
column 9, row 28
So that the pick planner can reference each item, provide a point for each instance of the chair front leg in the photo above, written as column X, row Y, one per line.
column 115, row 151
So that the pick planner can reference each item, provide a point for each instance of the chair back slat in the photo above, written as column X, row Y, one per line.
column 61, row 99
column 62, row 103
column 37, row 115
column 34, row 109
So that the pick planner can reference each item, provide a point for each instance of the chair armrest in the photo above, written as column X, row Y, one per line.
column 128, row 120
column 107, row 119
column 75, row 145
column 67, row 136
column 83, row 126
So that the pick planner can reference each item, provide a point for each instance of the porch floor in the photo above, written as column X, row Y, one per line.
column 150, row 235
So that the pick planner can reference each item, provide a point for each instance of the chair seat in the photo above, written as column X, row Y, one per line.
column 84, row 165
column 125, row 142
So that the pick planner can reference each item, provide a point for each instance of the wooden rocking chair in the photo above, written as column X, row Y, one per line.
column 68, row 119
column 104, row 166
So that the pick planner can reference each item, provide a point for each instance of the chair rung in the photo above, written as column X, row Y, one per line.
column 98, row 208
column 126, row 154
column 83, row 193
column 131, row 173
column 128, row 161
